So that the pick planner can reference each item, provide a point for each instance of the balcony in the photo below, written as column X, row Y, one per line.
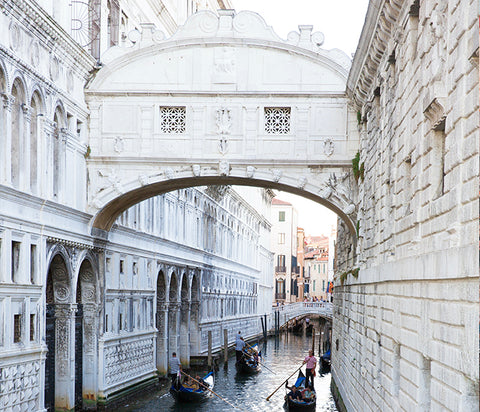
column 280, row 296
column 296, row 270
column 280, row 269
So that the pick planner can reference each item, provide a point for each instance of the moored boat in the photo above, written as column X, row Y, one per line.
column 194, row 392
column 249, row 363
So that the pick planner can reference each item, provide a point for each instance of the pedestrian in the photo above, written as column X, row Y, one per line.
column 175, row 368
column 239, row 345
column 311, row 362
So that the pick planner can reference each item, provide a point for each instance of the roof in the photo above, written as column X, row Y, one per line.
column 276, row 201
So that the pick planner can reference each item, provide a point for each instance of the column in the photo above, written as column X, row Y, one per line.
column 162, row 339
column 65, row 356
column 185, row 334
column 25, row 162
column 47, row 178
column 6, row 147
column 173, row 327
column 194, row 330
column 90, row 338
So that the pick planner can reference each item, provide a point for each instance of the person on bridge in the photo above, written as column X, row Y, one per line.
column 175, row 368
column 239, row 345
column 311, row 362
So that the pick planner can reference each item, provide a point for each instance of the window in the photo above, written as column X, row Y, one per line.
column 32, row 327
column 17, row 328
column 314, row 285
column 33, row 260
column 281, row 216
column 281, row 260
column 281, row 238
column 122, row 266
column 323, row 285
column 173, row 119
column 277, row 120
column 15, row 260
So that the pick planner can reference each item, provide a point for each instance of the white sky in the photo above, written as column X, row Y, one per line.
column 341, row 22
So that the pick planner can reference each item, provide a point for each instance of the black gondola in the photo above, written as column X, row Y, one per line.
column 183, row 393
column 247, row 364
column 325, row 361
column 303, row 405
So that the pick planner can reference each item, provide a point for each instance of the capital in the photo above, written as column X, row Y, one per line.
column 8, row 101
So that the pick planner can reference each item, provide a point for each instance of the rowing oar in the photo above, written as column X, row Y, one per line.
column 269, row 396
column 216, row 394
column 266, row 367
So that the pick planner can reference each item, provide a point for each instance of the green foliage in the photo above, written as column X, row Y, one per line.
column 358, row 168
column 87, row 153
column 358, row 227
column 359, row 117
column 344, row 275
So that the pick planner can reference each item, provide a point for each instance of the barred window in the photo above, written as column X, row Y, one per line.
column 277, row 120
column 172, row 119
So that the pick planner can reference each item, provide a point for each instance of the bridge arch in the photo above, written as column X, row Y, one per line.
column 210, row 106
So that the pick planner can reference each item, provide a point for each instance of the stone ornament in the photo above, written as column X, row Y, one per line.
column 19, row 387
column 250, row 171
column 196, row 170
column 328, row 147
column 118, row 145
column 302, row 182
column 223, row 120
column 143, row 179
column 54, row 68
column 169, row 173
column 277, row 174
column 224, row 168
column 8, row 101
column 224, row 65
column 35, row 53
column 14, row 36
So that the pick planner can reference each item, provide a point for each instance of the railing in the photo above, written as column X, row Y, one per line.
column 280, row 295
column 292, row 310
column 280, row 269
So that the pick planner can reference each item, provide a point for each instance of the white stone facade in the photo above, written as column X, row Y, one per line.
column 405, row 331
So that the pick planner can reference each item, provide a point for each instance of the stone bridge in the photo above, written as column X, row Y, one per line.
column 223, row 101
column 299, row 309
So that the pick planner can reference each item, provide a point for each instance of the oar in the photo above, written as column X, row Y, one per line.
column 265, row 366
column 269, row 396
column 216, row 394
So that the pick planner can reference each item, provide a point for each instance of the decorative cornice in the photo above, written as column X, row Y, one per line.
column 380, row 23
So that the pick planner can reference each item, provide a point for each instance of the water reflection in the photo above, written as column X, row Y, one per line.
column 249, row 392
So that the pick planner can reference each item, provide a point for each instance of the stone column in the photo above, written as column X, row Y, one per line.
column 25, row 155
column 194, row 330
column 185, row 334
column 65, row 356
column 6, row 148
column 173, row 327
column 47, row 178
column 90, row 358
column 162, row 338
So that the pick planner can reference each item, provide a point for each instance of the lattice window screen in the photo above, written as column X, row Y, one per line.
column 277, row 120
column 172, row 119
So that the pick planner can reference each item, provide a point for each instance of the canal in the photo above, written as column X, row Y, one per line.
column 282, row 355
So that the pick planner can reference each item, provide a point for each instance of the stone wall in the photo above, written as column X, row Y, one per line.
column 405, row 331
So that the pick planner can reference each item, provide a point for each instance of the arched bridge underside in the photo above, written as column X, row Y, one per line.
column 224, row 101
column 301, row 309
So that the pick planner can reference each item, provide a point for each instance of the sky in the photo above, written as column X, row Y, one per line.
column 341, row 22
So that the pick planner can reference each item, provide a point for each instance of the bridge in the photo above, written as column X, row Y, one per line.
column 211, row 106
column 299, row 309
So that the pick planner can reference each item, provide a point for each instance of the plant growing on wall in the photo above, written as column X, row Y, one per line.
column 358, row 168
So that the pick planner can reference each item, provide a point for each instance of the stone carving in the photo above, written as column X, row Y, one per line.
column 127, row 360
column 19, row 386
column 54, row 68
column 224, row 66
column 328, row 147
column 302, row 182
column 113, row 180
column 14, row 36
column 169, row 173
column 196, row 169
column 158, row 36
column 224, row 168
column 143, row 179
column 277, row 120
column 277, row 174
column 224, row 120
column 118, row 145
column 35, row 53
column 8, row 101
column 250, row 171
column 336, row 187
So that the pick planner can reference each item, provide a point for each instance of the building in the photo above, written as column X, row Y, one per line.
column 302, row 283
column 406, row 336
column 284, row 248
column 85, row 316
column 316, row 265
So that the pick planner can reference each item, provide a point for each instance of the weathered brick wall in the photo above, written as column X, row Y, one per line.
column 405, row 333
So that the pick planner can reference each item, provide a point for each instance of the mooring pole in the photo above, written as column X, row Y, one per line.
column 265, row 323
column 209, row 361
column 225, row 345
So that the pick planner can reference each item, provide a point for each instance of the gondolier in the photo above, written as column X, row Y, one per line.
column 239, row 345
column 311, row 362
column 175, row 367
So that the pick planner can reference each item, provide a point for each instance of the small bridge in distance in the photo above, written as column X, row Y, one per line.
column 300, row 309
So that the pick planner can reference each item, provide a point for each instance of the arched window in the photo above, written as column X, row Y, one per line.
column 17, row 132
column 58, row 153
column 36, row 107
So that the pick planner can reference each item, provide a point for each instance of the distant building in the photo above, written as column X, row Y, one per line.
column 284, row 247
column 316, row 260
column 302, row 283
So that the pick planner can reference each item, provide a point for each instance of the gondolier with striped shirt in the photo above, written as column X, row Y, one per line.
column 239, row 345
column 175, row 367
column 311, row 362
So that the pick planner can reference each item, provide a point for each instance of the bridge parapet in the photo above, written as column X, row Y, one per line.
column 292, row 310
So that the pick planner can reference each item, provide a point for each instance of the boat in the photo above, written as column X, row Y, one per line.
column 303, row 405
column 325, row 360
column 247, row 364
column 184, row 393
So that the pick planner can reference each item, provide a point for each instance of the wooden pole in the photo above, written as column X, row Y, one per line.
column 313, row 341
column 209, row 361
column 269, row 396
column 225, row 345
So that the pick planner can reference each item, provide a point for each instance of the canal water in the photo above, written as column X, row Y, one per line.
column 248, row 393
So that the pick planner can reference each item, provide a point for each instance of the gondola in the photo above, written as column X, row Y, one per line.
column 296, row 405
column 247, row 363
column 325, row 361
column 184, row 394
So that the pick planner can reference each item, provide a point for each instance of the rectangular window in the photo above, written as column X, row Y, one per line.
column 15, row 261
column 120, row 322
column 281, row 216
column 32, row 327
column 122, row 266
column 281, row 238
column 323, row 285
column 33, row 263
column 277, row 120
column 106, row 323
column 314, row 285
column 173, row 119
column 17, row 328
